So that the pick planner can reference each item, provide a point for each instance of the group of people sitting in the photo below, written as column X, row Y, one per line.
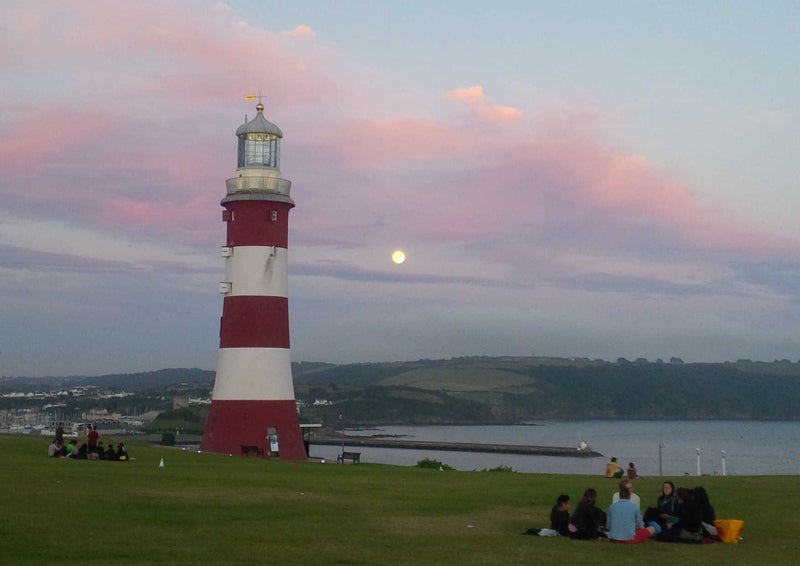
column 614, row 470
column 84, row 452
column 682, row 515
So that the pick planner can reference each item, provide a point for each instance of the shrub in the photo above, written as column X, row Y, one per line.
column 433, row 464
column 499, row 469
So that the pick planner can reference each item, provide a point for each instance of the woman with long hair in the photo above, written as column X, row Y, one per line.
column 667, row 503
column 587, row 519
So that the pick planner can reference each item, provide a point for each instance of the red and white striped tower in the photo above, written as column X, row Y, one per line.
column 253, row 402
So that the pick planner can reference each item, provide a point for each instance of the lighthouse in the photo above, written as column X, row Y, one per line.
column 253, row 403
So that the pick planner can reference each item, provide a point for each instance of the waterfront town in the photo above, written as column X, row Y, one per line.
column 109, row 411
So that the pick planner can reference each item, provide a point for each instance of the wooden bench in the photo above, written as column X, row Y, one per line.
column 354, row 457
column 247, row 450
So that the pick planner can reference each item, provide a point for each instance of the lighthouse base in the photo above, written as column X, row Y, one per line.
column 271, row 425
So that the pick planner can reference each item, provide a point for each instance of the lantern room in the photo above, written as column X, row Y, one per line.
column 259, row 142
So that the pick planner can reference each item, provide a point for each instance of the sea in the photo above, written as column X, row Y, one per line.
column 668, row 448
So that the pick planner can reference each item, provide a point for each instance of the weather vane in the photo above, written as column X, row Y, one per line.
column 251, row 97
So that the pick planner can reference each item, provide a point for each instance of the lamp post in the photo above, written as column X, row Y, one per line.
column 698, row 462
column 660, row 469
column 723, row 462
column 341, row 430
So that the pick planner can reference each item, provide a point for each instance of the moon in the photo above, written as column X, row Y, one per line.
column 398, row 257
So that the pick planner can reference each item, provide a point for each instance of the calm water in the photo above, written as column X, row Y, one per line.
column 751, row 447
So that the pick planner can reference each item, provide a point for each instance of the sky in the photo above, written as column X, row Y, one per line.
column 590, row 179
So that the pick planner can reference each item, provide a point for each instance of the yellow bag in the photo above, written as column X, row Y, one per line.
column 729, row 530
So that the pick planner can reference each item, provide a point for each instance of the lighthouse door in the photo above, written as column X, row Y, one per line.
column 272, row 436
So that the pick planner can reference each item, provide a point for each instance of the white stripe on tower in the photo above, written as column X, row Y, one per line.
column 258, row 270
column 247, row 364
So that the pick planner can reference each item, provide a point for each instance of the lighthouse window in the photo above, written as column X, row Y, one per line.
column 274, row 215
column 240, row 158
column 259, row 150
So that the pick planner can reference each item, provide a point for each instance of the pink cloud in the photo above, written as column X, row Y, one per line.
column 154, row 213
column 474, row 98
column 300, row 31
column 130, row 122
column 154, row 133
column 472, row 95
column 406, row 141
column 551, row 185
column 176, row 53
column 626, row 190
column 502, row 114
column 43, row 135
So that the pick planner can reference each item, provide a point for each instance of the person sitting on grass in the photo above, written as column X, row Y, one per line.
column 632, row 473
column 559, row 515
column 667, row 503
column 587, row 519
column 72, row 449
column 82, row 452
column 110, row 453
column 689, row 527
column 625, row 522
column 52, row 450
column 626, row 484
column 559, row 520
column 614, row 470
column 707, row 513
column 666, row 510
column 122, row 453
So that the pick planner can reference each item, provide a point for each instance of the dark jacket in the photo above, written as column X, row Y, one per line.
column 668, row 505
column 587, row 520
column 689, row 516
column 559, row 521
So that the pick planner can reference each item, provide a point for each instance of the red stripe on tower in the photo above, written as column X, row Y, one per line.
column 255, row 322
column 247, row 225
column 253, row 401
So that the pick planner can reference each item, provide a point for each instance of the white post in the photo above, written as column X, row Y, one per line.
column 723, row 462
column 698, row 462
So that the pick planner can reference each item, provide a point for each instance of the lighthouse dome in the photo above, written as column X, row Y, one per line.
column 259, row 142
column 259, row 125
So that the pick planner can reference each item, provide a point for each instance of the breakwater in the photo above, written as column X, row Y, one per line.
column 372, row 442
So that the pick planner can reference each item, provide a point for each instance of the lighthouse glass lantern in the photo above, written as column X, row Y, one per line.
column 259, row 142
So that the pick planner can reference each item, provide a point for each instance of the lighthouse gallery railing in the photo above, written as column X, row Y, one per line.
column 269, row 184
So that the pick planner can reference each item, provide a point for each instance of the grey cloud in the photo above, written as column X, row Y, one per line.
column 20, row 258
column 350, row 272
column 12, row 257
column 610, row 283
column 780, row 276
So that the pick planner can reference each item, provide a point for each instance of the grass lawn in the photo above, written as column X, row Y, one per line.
column 205, row 509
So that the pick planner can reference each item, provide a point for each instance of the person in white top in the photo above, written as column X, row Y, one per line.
column 626, row 484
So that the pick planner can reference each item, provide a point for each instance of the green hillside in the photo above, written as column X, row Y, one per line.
column 510, row 390
column 458, row 378
column 480, row 390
